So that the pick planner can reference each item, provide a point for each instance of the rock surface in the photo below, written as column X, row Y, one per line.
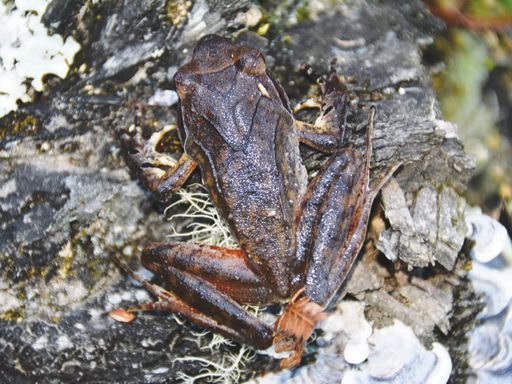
column 68, row 201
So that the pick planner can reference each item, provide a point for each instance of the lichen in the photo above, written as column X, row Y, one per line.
column 177, row 11
column 226, row 368
column 13, row 315
column 205, row 225
column 21, row 125
column 28, row 52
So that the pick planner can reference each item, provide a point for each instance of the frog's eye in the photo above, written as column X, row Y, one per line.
column 252, row 63
column 240, row 64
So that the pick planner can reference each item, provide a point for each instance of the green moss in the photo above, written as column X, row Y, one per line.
column 286, row 39
column 278, row 15
column 302, row 13
column 66, row 267
column 263, row 29
column 21, row 295
column 460, row 84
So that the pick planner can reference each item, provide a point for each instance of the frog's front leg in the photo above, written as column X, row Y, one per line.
column 160, row 173
column 328, row 133
column 206, row 285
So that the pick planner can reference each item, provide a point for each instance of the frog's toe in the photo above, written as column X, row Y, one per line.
column 295, row 326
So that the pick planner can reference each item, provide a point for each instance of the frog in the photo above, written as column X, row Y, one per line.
column 298, row 239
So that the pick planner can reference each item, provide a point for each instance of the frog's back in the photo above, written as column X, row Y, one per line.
column 237, row 126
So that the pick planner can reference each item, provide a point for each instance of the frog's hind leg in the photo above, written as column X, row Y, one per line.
column 335, row 214
column 170, row 303
column 226, row 269
column 330, row 204
column 207, row 284
column 330, row 233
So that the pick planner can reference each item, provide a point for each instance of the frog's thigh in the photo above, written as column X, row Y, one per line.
column 226, row 269
column 213, row 281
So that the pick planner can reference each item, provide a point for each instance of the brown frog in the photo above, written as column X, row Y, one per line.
column 297, row 240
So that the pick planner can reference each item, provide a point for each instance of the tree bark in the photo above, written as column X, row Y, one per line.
column 74, row 202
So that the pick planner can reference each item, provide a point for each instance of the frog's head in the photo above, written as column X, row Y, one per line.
column 216, row 61
column 215, row 53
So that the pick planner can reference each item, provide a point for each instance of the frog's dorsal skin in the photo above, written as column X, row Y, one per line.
column 297, row 241
column 242, row 138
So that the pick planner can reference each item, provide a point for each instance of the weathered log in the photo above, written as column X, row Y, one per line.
column 68, row 201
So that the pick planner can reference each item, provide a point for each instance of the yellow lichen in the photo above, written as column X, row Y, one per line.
column 21, row 126
column 12, row 315
column 66, row 253
column 177, row 11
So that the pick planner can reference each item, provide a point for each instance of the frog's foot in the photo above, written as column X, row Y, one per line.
column 295, row 326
